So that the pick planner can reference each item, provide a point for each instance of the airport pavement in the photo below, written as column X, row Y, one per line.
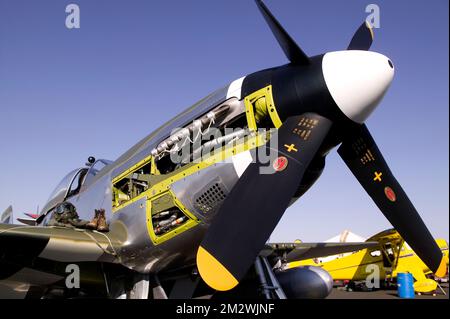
column 341, row 293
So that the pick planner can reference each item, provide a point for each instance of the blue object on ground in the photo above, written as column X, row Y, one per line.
column 405, row 284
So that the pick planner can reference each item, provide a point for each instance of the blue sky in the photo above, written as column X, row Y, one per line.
column 67, row 94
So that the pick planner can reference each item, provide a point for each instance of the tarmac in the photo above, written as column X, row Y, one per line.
column 341, row 293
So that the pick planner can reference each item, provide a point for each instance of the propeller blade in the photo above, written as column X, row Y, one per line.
column 257, row 202
column 290, row 48
column 366, row 162
column 363, row 38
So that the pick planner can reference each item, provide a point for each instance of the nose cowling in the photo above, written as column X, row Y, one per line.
column 357, row 81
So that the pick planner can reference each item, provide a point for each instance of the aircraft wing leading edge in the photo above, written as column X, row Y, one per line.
column 302, row 251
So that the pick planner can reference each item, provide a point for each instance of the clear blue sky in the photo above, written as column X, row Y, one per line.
column 67, row 94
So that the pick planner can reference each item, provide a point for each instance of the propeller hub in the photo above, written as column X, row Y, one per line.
column 357, row 81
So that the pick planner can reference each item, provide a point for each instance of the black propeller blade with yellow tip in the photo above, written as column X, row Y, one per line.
column 289, row 46
column 363, row 38
column 366, row 162
column 257, row 202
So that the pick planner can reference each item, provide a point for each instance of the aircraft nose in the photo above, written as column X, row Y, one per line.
column 357, row 81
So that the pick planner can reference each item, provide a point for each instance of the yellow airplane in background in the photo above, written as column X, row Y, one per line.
column 391, row 257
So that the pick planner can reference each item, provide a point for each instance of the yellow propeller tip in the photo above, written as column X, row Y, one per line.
column 369, row 26
column 213, row 272
column 442, row 270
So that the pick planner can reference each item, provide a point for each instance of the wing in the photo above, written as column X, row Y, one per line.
column 386, row 235
column 38, row 256
column 301, row 251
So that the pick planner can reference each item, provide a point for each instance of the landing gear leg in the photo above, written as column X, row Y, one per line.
column 141, row 287
column 136, row 286
column 158, row 290
column 443, row 291
column 268, row 282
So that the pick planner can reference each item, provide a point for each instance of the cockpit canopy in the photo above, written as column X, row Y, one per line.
column 61, row 189
column 71, row 184
column 96, row 168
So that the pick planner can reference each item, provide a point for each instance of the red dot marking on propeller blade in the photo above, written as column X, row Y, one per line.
column 280, row 164
column 390, row 194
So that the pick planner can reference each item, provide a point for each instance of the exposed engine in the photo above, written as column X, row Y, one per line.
column 306, row 282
